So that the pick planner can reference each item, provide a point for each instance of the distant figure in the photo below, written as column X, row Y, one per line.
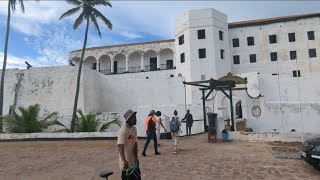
column 175, row 124
column 159, row 123
column 128, row 147
column 150, row 126
column 189, row 121
column 239, row 109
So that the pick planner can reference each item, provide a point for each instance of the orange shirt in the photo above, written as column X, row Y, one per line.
column 148, row 119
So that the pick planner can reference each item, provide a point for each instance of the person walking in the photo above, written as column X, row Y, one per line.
column 128, row 148
column 189, row 121
column 150, row 126
column 159, row 123
column 175, row 124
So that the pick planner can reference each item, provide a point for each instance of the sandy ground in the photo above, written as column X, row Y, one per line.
column 196, row 160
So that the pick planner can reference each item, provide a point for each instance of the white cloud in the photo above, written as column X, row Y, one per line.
column 13, row 62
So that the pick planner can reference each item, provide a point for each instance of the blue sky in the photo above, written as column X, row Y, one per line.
column 39, row 37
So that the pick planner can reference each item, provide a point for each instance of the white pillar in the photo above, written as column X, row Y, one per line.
column 142, row 61
column 112, row 63
column 158, row 61
column 127, row 63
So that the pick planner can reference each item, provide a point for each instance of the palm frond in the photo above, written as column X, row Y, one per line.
column 78, row 21
column 95, row 23
column 107, row 125
column 21, row 5
column 50, row 116
column 28, row 120
column 58, row 123
column 74, row 2
column 101, row 2
column 70, row 12
column 102, row 17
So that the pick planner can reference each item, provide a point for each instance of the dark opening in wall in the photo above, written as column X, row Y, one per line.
column 273, row 39
column 181, row 39
column 201, row 34
column 202, row 53
column 221, row 35
column 221, row 53
column 312, row 53
column 310, row 35
column 236, row 59
column 235, row 42
column 250, row 41
column 253, row 58
column 274, row 56
column 293, row 55
column 292, row 37
column 182, row 58
column 296, row 73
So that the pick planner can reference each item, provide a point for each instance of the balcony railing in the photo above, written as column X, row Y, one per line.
column 137, row 69
column 105, row 71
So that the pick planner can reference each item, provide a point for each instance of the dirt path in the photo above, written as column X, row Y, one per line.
column 196, row 160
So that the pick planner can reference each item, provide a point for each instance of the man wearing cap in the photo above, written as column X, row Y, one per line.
column 128, row 147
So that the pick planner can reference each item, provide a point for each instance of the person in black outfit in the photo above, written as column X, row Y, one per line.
column 189, row 121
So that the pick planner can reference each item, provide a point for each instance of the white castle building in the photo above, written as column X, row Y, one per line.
column 277, row 56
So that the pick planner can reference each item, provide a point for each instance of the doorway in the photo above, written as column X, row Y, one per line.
column 115, row 67
column 153, row 64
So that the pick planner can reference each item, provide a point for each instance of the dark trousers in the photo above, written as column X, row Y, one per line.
column 188, row 130
column 135, row 176
column 151, row 135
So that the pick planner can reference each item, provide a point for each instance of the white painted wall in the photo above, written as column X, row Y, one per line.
column 51, row 87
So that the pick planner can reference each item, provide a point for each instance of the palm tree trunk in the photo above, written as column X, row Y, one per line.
column 4, row 67
column 78, row 79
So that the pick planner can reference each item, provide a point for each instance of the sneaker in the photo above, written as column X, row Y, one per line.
column 144, row 154
column 157, row 153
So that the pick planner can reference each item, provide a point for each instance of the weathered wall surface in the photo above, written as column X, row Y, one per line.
column 53, row 88
column 121, row 92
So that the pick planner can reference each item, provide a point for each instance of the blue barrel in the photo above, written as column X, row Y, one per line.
column 225, row 136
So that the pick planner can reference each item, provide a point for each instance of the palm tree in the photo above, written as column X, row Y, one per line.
column 28, row 121
column 88, row 123
column 11, row 6
column 88, row 12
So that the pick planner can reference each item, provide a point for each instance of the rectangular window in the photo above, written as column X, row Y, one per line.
column 293, row 55
column 274, row 56
column 202, row 53
column 221, row 35
column 221, row 53
column 296, row 73
column 250, row 41
column 236, row 59
column 273, row 39
column 292, row 37
column 312, row 53
column 235, row 42
column 253, row 58
column 201, row 34
column 181, row 39
column 310, row 35
column 182, row 58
